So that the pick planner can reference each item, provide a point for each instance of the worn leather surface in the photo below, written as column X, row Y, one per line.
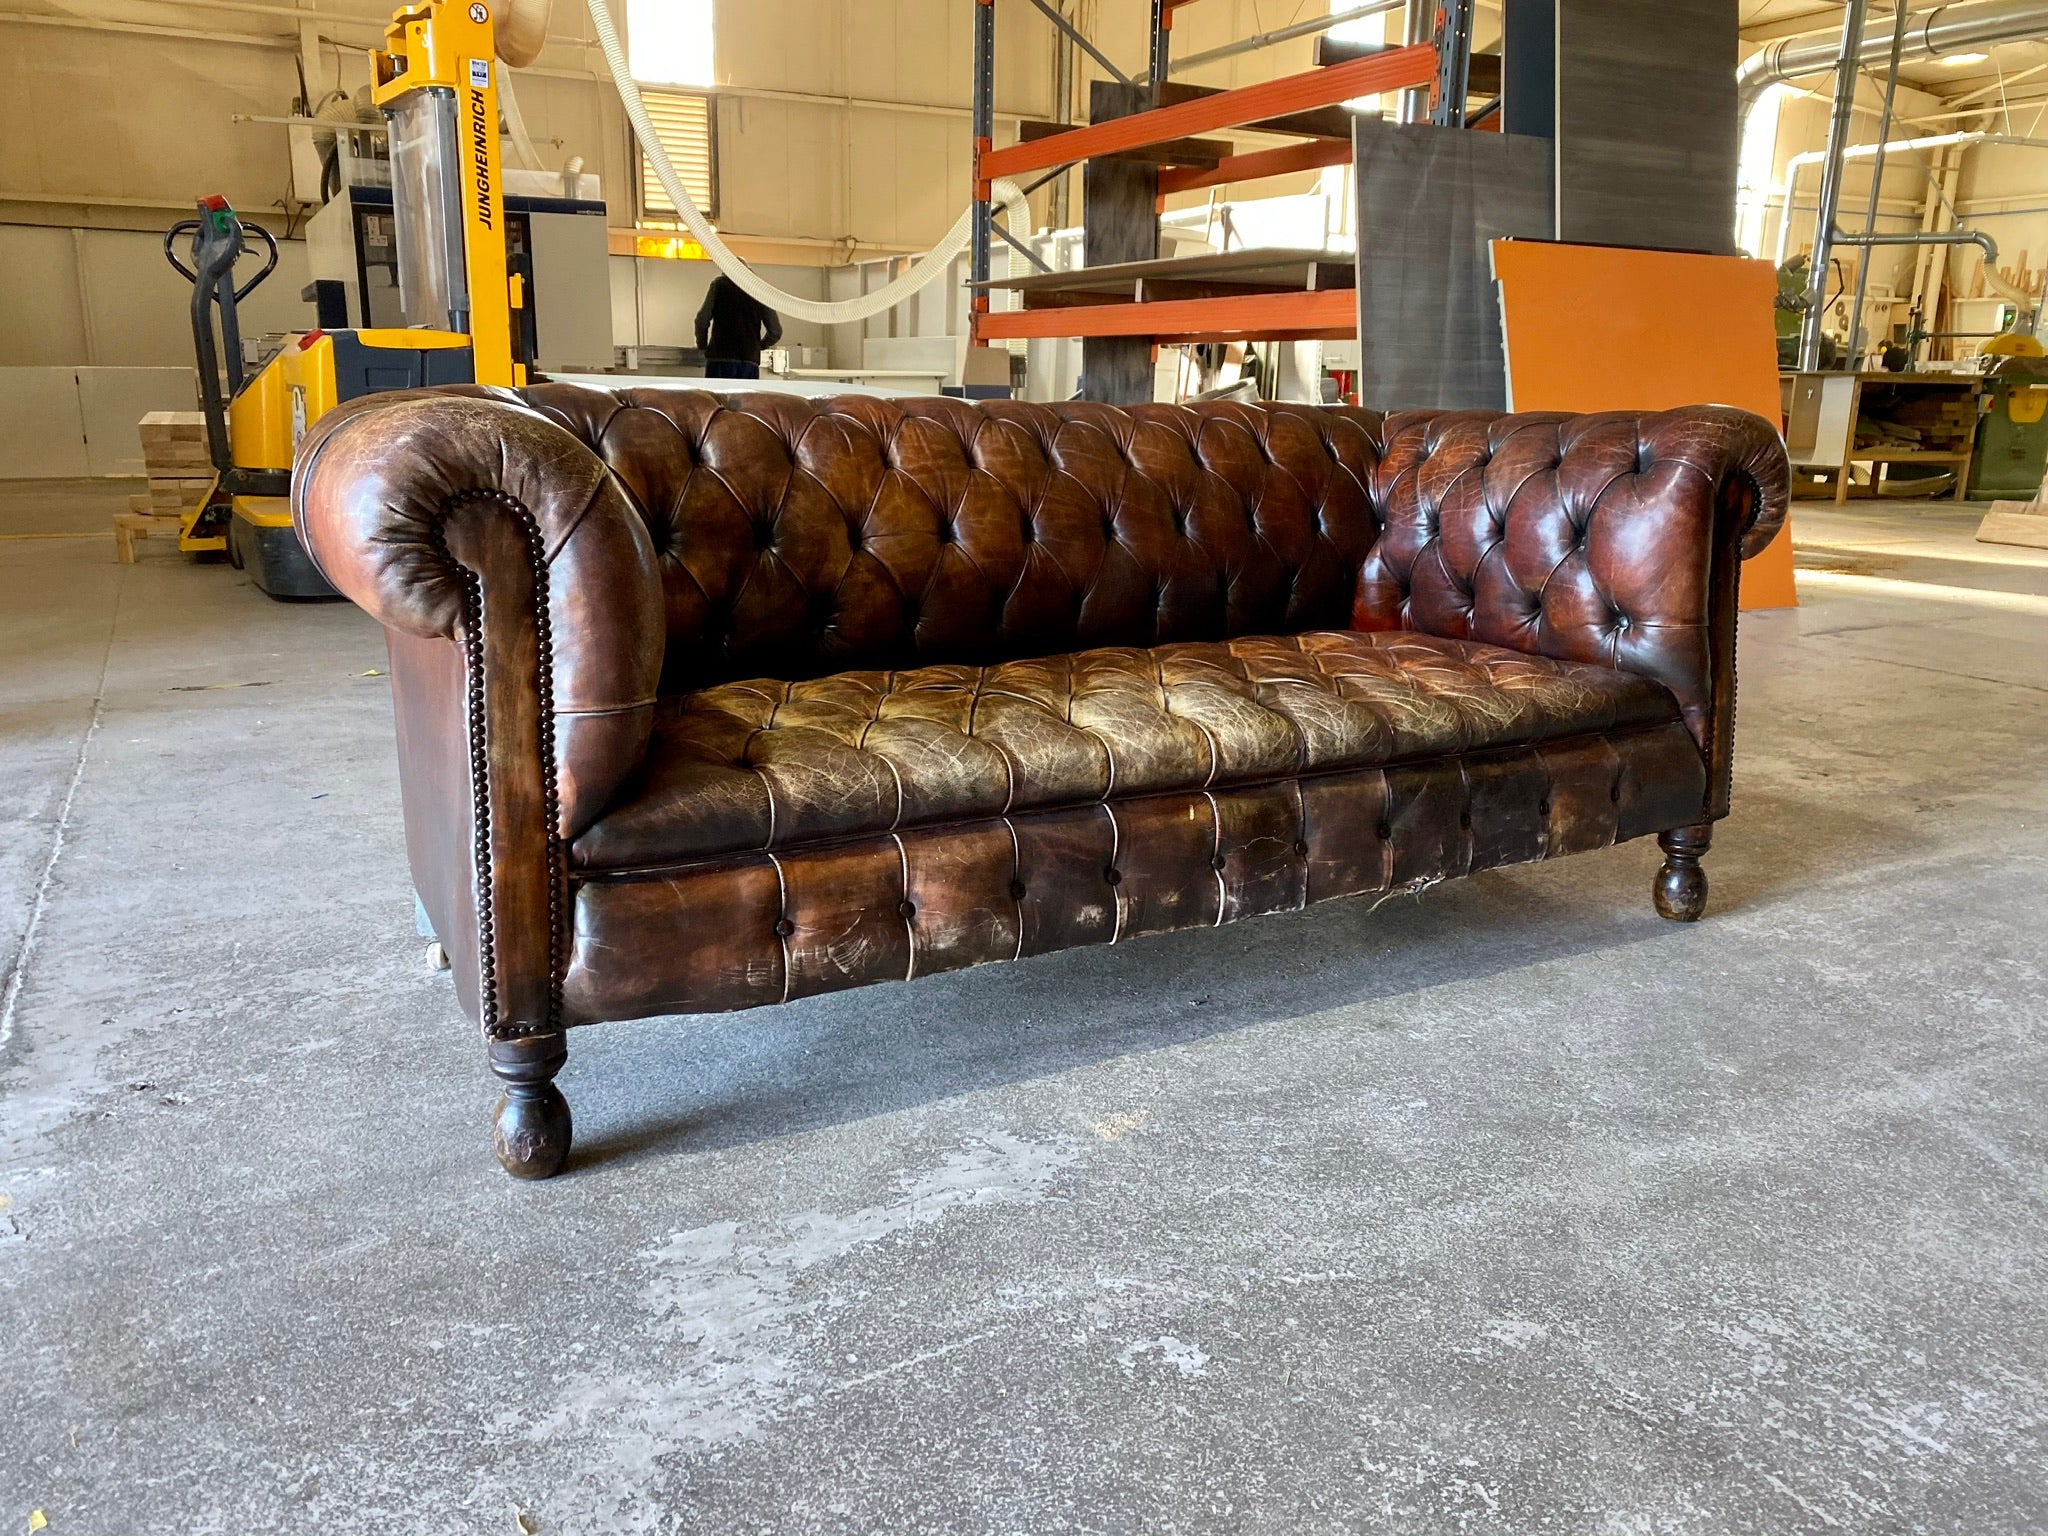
column 769, row 764
column 1587, row 538
column 1243, row 657
column 430, row 709
column 762, row 928
column 801, row 537
column 375, row 483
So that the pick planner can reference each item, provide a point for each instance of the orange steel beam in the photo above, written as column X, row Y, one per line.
column 1313, row 154
column 1231, row 338
column 1333, row 310
column 1390, row 71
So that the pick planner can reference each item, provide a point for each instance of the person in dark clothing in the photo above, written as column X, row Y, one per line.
column 732, row 328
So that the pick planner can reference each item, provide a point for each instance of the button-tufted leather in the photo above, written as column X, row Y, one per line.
column 894, row 532
column 769, row 764
column 708, row 701
column 1588, row 538
column 760, row 928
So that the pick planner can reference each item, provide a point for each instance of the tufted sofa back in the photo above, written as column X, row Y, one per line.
column 798, row 537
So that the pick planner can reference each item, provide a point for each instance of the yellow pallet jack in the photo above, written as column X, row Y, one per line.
column 436, row 80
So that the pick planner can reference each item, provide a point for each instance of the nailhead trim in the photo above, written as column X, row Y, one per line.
column 479, row 760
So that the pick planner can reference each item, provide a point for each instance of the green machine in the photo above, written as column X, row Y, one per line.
column 2011, row 455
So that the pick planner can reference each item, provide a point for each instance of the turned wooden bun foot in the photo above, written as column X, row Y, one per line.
column 533, row 1129
column 1681, row 887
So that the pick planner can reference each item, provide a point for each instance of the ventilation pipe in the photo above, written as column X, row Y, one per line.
column 1831, row 183
column 1933, row 34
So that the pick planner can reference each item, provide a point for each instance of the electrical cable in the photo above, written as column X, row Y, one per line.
column 929, row 268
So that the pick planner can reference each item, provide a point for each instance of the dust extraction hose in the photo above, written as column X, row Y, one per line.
column 929, row 268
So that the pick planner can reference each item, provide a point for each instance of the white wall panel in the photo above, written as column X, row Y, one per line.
column 781, row 168
column 112, row 401
column 41, row 434
column 41, row 322
column 127, row 116
column 138, row 311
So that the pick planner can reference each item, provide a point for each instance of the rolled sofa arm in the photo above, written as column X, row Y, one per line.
column 1614, row 538
column 519, row 589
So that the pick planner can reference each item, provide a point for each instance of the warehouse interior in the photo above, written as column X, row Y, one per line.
column 1493, row 1203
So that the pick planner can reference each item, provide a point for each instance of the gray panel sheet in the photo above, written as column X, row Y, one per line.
column 1429, row 202
column 1119, row 222
column 1646, row 130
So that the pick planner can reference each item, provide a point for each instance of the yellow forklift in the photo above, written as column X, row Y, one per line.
column 436, row 81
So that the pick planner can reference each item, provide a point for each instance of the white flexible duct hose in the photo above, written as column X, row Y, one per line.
column 929, row 268
column 522, row 30
column 509, row 100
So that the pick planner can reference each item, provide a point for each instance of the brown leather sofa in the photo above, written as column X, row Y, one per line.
column 707, row 702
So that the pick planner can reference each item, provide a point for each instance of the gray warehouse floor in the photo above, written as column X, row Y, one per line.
column 1512, row 1209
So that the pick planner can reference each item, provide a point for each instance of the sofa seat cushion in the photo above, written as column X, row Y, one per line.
column 769, row 765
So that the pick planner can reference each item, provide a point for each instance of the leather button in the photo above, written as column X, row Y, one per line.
column 1385, row 832
column 1301, row 849
column 1465, row 819
column 1219, row 863
column 906, row 909
column 1542, row 807
column 1016, row 890
column 1614, row 792
column 785, row 928
column 1113, row 876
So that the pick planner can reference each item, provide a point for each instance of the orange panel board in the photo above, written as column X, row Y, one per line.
column 1603, row 328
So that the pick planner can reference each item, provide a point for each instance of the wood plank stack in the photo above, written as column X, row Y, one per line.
column 1917, row 418
column 181, row 478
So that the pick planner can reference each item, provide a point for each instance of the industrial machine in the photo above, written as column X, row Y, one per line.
column 462, row 307
column 556, row 244
column 2011, row 455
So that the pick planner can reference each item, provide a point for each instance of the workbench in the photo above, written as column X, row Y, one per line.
column 1822, row 411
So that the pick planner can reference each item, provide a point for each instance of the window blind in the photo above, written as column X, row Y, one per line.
column 683, row 123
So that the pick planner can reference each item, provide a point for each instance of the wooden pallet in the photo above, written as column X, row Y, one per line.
column 130, row 526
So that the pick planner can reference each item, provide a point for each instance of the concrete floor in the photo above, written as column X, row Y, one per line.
column 1509, row 1210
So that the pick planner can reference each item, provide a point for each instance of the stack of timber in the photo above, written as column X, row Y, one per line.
column 181, row 479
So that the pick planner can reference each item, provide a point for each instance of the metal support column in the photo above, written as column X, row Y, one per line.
column 1162, row 47
column 1418, row 26
column 984, row 141
column 1831, row 184
column 1453, row 63
column 1884, row 132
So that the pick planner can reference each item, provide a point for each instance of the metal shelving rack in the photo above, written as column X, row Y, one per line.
column 1165, row 129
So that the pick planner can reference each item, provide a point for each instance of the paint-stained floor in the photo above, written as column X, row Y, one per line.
column 1511, row 1209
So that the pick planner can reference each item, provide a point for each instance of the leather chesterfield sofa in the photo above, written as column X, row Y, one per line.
column 712, row 701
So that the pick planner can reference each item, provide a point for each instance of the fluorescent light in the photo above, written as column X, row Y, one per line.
column 1958, row 60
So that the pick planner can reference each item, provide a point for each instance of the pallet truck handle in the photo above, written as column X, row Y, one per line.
column 269, row 266
column 182, row 227
column 191, row 227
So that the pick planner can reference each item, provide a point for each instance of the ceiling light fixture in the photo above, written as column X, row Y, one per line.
column 1958, row 60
